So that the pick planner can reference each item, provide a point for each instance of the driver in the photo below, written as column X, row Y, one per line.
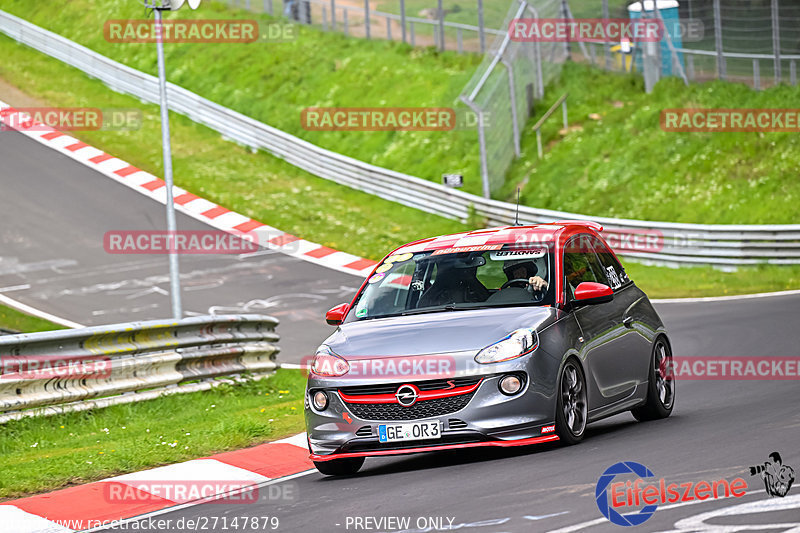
column 526, row 269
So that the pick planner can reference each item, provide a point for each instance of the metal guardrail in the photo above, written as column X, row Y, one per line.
column 80, row 369
column 665, row 243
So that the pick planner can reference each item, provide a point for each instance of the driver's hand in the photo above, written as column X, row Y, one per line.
column 538, row 283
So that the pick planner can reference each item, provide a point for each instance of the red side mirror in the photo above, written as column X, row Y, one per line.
column 335, row 316
column 590, row 292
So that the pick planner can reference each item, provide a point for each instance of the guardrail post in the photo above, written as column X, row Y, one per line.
column 776, row 41
column 324, row 18
column 460, row 40
column 441, row 26
column 388, row 28
column 403, row 18
column 690, row 66
column 756, row 75
column 366, row 17
column 268, row 7
column 333, row 15
column 413, row 36
column 481, row 28
column 721, row 67
column 344, row 22
column 793, row 72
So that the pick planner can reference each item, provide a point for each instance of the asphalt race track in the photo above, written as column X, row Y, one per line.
column 55, row 212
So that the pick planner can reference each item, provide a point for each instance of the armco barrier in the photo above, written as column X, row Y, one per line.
column 676, row 244
column 79, row 369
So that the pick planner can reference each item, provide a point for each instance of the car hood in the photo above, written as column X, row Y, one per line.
column 431, row 333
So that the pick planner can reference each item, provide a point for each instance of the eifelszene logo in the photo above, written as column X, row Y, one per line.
column 631, row 494
column 778, row 477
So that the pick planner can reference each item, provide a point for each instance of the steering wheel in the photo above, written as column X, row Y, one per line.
column 510, row 282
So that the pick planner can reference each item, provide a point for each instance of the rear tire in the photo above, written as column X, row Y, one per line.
column 571, row 403
column 339, row 467
column 660, row 385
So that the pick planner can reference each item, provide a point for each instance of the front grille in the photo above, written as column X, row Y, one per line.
column 421, row 409
column 391, row 388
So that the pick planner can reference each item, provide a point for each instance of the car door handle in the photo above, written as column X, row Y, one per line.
column 627, row 321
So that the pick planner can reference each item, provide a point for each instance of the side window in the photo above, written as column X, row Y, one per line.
column 581, row 264
column 613, row 269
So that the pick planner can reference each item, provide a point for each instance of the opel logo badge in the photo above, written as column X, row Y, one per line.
column 406, row 395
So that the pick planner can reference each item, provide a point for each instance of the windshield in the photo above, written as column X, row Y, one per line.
column 457, row 278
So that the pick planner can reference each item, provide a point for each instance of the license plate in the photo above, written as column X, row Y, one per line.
column 413, row 431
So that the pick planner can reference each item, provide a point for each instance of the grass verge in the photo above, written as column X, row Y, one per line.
column 13, row 320
column 47, row 453
column 274, row 192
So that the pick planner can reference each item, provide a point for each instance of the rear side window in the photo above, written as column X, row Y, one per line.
column 613, row 269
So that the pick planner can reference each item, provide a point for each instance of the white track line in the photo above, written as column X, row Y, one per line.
column 19, row 306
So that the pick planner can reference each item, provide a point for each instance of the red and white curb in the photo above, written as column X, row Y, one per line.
column 186, row 202
column 150, row 492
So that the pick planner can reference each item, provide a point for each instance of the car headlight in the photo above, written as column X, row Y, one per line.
column 328, row 364
column 519, row 343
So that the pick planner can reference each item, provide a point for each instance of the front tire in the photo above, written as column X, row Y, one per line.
column 339, row 467
column 571, row 404
column 660, row 385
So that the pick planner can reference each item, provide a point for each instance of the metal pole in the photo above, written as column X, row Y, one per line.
column 481, row 29
column 441, row 26
column 564, row 113
column 565, row 15
column 756, row 75
column 487, row 191
column 366, row 16
column 514, row 118
column 268, row 6
column 776, row 41
column 403, row 17
column 721, row 70
column 606, row 46
column 333, row 15
column 174, row 272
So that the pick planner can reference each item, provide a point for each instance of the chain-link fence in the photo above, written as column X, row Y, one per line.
column 756, row 42
column 502, row 91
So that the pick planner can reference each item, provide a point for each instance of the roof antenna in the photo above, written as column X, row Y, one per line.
column 516, row 217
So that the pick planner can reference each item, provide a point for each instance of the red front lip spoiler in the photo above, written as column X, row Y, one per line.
column 376, row 453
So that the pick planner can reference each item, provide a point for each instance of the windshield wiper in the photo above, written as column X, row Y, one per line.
column 448, row 307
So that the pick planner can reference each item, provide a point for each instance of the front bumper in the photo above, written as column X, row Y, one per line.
column 489, row 418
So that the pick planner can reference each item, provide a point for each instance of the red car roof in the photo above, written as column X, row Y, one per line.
column 534, row 234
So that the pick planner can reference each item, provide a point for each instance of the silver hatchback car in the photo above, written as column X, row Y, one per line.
column 499, row 337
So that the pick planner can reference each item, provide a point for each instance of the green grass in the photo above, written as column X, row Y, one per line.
column 258, row 185
column 624, row 165
column 14, row 320
column 46, row 453
column 275, row 82
column 276, row 193
column 621, row 165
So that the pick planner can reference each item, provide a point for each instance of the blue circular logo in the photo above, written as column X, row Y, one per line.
column 601, row 494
